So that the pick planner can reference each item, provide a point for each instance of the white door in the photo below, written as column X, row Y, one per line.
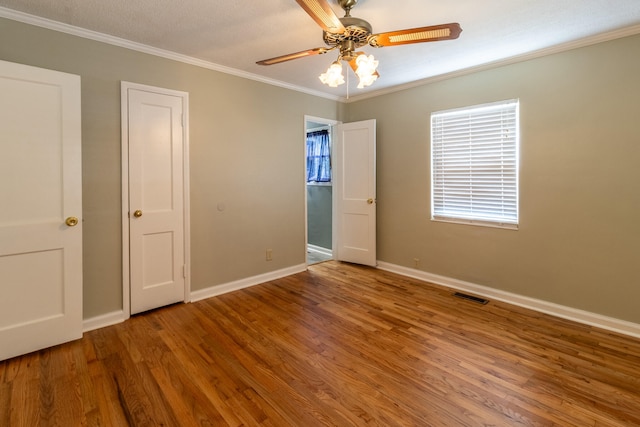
column 156, row 215
column 41, row 214
column 355, row 187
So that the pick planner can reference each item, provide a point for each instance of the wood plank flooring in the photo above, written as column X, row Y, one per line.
column 338, row 345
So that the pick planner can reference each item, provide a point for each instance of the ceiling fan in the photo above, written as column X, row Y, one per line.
column 350, row 33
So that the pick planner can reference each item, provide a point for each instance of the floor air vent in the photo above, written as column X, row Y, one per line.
column 471, row 298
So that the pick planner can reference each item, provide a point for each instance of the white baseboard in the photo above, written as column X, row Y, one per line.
column 580, row 316
column 245, row 283
column 103, row 320
column 319, row 250
column 119, row 316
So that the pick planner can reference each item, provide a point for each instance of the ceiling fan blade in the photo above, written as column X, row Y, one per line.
column 322, row 13
column 416, row 35
column 290, row 56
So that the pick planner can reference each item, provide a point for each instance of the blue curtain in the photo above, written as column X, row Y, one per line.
column 318, row 156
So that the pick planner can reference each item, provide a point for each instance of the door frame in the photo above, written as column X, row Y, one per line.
column 331, row 123
column 126, row 273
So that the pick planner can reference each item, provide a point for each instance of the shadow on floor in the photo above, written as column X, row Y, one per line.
column 316, row 257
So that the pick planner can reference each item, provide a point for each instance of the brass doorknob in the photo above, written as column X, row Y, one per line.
column 370, row 201
column 72, row 221
column 137, row 213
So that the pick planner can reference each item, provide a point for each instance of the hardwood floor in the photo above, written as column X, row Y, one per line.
column 338, row 345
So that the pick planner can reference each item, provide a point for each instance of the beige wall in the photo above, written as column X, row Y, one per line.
column 579, row 239
column 247, row 152
column 578, row 242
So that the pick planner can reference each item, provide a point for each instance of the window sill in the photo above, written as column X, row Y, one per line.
column 476, row 222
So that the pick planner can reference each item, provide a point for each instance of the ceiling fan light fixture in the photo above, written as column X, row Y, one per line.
column 367, row 80
column 366, row 70
column 333, row 77
column 367, row 65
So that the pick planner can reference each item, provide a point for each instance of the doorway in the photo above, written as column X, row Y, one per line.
column 319, row 197
column 353, row 194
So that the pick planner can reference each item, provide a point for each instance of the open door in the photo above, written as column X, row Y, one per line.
column 355, row 192
column 41, row 214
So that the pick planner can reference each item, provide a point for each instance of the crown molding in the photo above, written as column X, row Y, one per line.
column 139, row 47
column 575, row 44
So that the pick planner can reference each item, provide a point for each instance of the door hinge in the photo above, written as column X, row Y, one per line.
column 184, row 271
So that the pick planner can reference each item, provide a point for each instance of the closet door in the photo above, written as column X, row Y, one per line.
column 41, row 215
column 155, row 140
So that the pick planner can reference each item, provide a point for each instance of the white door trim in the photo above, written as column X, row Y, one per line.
column 126, row 283
column 330, row 123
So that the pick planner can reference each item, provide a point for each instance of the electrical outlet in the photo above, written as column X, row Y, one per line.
column 269, row 255
column 416, row 262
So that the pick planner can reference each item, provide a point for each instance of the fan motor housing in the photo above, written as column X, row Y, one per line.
column 347, row 5
column 356, row 30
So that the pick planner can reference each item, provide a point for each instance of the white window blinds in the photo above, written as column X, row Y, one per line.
column 474, row 164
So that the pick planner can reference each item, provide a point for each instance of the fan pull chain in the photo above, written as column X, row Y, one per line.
column 348, row 73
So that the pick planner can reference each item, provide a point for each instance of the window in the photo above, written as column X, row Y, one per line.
column 474, row 165
column 318, row 157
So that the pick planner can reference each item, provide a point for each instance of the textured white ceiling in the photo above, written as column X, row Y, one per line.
column 236, row 34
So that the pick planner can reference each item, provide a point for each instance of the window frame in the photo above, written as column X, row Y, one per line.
column 509, row 144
